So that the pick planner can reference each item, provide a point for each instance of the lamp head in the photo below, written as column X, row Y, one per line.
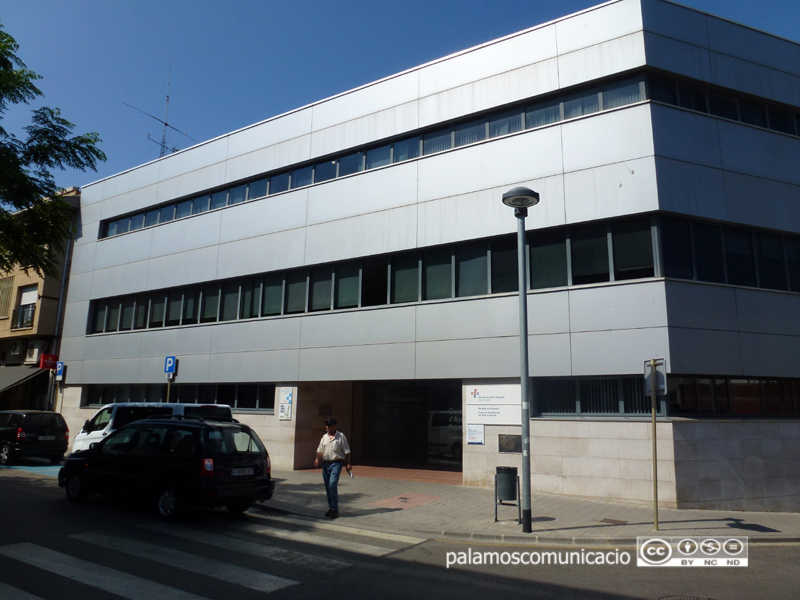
column 520, row 197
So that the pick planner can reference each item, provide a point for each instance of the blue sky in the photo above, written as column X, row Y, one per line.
column 237, row 62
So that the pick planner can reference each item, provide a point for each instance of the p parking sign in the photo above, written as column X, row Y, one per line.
column 170, row 366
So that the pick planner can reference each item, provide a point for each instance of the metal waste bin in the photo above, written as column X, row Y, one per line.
column 506, row 489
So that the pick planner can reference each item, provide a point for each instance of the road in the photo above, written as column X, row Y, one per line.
column 111, row 548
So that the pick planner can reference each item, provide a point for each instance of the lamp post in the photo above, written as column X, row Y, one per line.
column 520, row 198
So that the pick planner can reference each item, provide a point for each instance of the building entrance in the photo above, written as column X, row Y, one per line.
column 413, row 424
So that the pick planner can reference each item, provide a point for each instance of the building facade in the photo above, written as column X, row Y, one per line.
column 352, row 258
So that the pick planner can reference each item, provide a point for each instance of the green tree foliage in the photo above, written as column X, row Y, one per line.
column 35, row 223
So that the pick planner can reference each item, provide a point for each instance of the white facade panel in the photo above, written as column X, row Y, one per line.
column 769, row 355
column 468, row 319
column 691, row 189
column 678, row 57
column 82, row 258
column 379, row 190
column 124, row 249
column 75, row 314
column 359, row 328
column 193, row 266
column 549, row 355
column 757, row 152
column 701, row 306
column 598, row 24
column 131, row 181
column 280, row 129
column 601, row 60
column 607, row 138
column 704, row 351
column 192, row 368
column 256, row 335
column 124, row 279
column 382, row 361
column 143, row 197
column 611, row 190
column 242, row 367
column 678, row 22
column 618, row 307
column 80, row 287
column 191, row 183
column 289, row 153
column 267, row 215
column 174, row 341
column 196, row 158
column 455, row 359
column 775, row 313
column 686, row 136
column 93, row 193
column 755, row 79
column 182, row 235
column 104, row 347
column 762, row 202
column 365, row 235
column 617, row 351
column 261, row 254
column 118, row 370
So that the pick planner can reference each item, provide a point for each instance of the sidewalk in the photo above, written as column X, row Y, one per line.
column 467, row 513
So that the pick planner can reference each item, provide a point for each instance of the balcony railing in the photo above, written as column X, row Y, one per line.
column 23, row 317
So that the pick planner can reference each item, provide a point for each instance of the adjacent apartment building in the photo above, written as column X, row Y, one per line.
column 353, row 258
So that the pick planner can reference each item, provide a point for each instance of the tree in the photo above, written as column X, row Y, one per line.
column 35, row 223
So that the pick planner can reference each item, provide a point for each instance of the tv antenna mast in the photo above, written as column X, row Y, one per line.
column 163, row 143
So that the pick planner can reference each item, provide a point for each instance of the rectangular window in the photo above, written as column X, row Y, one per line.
column 140, row 312
column 548, row 259
column 352, row 163
column 633, row 249
column 745, row 396
column 739, row 257
column 347, row 279
column 723, row 106
column 210, row 309
column 405, row 278
column 321, row 288
column 708, row 253
column 112, row 316
column 123, row 225
column 589, row 249
column 166, row 214
column 237, row 195
column 771, row 267
column 137, row 221
column 191, row 304
column 266, row 396
column 792, row 247
column 219, row 199
column 295, row 292
column 582, row 103
column 437, row 141
column 229, row 311
column 325, row 170
column 692, row 98
column 472, row 273
column 682, row 396
column 126, row 318
column 752, row 114
column 278, row 183
column 111, row 229
column 246, row 396
column 6, row 287
column 437, row 275
column 663, row 90
column 251, row 298
column 721, row 396
column 469, row 133
column 505, row 276
column 174, row 307
column 302, row 177
column 505, row 123
column 621, row 93
column 257, row 189
column 543, row 113
column 374, row 282
column 158, row 309
column 151, row 218
column 781, row 121
column 676, row 247
column 406, row 149
column 272, row 296
column 200, row 204
column 99, row 322
column 778, row 397
column 379, row 157
column 184, row 209
column 705, row 396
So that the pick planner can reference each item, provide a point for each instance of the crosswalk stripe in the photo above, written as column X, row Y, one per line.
column 8, row 592
column 316, row 540
column 104, row 578
column 314, row 524
column 189, row 562
column 327, row 565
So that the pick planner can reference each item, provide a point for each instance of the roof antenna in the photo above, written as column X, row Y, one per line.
column 163, row 143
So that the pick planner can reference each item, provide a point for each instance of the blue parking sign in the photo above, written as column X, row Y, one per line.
column 59, row 371
column 169, row 365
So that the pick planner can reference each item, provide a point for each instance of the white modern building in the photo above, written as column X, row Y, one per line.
column 353, row 258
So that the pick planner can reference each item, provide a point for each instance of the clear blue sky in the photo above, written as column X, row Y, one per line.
column 238, row 62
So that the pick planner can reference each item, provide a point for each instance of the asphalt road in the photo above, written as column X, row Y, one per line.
column 110, row 548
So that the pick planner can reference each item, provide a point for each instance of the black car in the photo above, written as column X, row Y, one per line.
column 175, row 463
column 32, row 433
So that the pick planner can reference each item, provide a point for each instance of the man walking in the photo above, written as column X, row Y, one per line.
column 334, row 452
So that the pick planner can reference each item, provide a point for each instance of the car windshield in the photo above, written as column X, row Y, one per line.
column 230, row 441
column 42, row 420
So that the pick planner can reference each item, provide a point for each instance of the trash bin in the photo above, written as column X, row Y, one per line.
column 506, row 481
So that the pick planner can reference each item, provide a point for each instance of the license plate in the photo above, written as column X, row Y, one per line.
column 247, row 471
column 47, row 438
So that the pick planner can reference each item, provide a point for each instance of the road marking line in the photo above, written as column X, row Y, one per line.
column 291, row 557
column 310, row 538
column 8, row 592
column 313, row 524
column 189, row 562
column 92, row 574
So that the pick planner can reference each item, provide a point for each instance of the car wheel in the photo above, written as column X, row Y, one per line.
column 56, row 459
column 237, row 508
column 168, row 504
column 76, row 489
column 5, row 454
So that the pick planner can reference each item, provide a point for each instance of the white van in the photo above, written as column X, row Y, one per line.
column 114, row 416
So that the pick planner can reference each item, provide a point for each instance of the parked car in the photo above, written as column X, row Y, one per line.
column 29, row 433
column 113, row 416
column 174, row 462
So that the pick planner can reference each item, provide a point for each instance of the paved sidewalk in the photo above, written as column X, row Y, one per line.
column 467, row 513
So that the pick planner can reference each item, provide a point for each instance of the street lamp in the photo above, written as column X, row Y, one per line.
column 520, row 198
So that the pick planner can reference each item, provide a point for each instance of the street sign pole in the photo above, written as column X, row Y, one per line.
column 656, row 381
column 170, row 366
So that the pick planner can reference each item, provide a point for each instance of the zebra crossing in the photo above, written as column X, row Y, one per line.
column 286, row 552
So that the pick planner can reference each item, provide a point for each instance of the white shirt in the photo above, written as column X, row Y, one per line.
column 333, row 448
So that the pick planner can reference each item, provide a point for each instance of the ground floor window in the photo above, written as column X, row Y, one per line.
column 590, row 395
column 697, row 395
column 239, row 396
